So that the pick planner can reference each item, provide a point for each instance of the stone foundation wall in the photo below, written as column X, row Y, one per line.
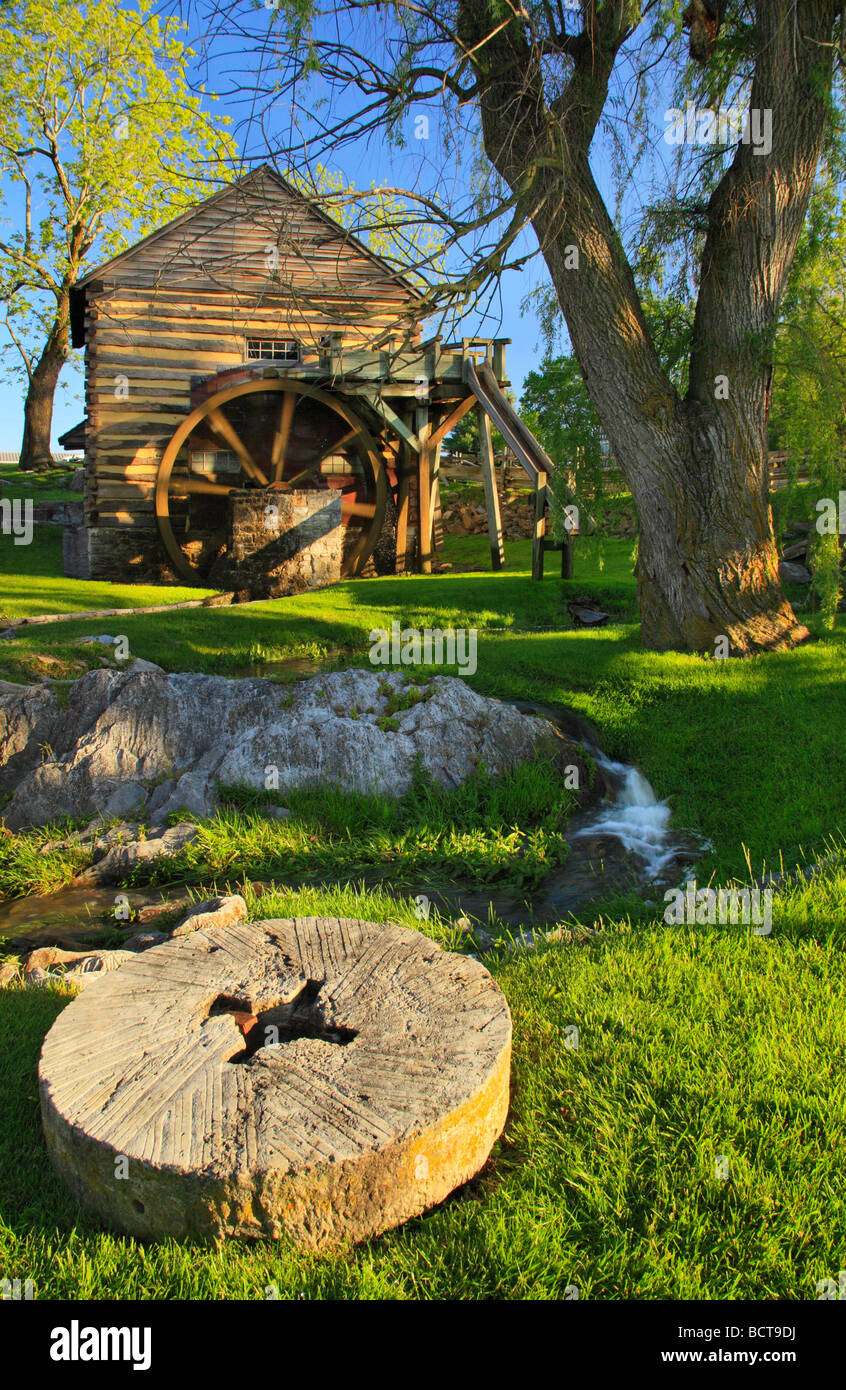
column 281, row 543
column 126, row 555
column 75, row 552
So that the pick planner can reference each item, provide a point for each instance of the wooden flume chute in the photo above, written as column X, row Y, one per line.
column 278, row 434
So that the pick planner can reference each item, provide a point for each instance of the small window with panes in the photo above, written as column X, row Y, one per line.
column 273, row 350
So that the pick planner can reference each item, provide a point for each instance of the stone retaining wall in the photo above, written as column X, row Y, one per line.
column 281, row 542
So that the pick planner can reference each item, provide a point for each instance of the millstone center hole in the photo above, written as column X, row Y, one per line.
column 301, row 1017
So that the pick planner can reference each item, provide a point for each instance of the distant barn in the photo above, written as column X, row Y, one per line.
column 254, row 351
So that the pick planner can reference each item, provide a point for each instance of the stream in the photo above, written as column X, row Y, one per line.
column 623, row 843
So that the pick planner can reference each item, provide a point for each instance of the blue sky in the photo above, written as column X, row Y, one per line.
column 222, row 67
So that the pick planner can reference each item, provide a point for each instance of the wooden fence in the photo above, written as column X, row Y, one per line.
column 68, row 456
column 510, row 474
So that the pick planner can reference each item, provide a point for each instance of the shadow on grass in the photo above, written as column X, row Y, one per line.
column 32, row 1196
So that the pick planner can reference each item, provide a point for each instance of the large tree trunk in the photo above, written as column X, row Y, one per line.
column 697, row 470
column 707, row 564
column 36, row 455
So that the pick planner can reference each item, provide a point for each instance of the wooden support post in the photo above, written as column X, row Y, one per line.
column 437, row 537
column 499, row 347
column 567, row 564
column 486, row 463
column 405, row 563
column 336, row 365
column 540, row 527
column 423, row 430
column 390, row 416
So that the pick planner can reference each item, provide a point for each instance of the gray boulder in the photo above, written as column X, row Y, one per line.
column 29, row 720
column 152, row 743
column 118, row 861
column 793, row 573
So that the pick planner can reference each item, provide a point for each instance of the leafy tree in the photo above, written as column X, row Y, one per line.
column 541, row 88
column 808, row 417
column 464, row 439
column 557, row 408
column 102, row 139
column 559, row 411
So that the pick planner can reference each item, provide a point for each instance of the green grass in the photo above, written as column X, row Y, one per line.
column 693, row 1044
column 31, row 580
column 508, row 832
column 28, row 866
column 40, row 487
column 750, row 753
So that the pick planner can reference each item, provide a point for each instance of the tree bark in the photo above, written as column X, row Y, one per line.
column 36, row 455
column 697, row 468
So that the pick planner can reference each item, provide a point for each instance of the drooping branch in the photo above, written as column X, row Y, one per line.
column 763, row 197
column 541, row 150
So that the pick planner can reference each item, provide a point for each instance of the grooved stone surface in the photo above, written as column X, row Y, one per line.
column 319, row 1078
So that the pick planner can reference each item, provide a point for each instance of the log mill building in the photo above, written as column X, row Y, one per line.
column 261, row 413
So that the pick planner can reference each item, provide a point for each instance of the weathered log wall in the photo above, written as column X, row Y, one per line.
column 256, row 261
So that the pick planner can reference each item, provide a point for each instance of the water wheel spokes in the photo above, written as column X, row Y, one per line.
column 283, row 434
column 268, row 443
column 219, row 425
column 198, row 486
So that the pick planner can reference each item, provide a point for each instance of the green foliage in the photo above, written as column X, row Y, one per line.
column 101, row 140
column 29, row 865
column 557, row 408
column 464, row 438
column 808, row 416
column 383, row 220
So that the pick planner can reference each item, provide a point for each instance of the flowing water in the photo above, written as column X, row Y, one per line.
column 636, row 818
column 624, row 843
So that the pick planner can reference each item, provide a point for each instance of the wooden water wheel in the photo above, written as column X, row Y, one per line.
column 273, row 434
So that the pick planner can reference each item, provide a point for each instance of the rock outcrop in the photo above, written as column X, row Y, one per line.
column 148, row 744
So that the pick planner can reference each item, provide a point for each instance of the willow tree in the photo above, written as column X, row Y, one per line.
column 539, row 79
column 101, row 139
column 809, row 395
column 696, row 465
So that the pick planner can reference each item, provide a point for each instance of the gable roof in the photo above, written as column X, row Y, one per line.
column 175, row 230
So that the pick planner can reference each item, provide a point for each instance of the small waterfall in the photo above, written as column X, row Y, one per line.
column 631, row 812
column 636, row 817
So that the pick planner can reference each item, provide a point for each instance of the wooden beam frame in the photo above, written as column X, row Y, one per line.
column 486, row 463
column 424, row 488
column 539, row 532
column 437, row 537
column 390, row 416
column 405, row 556
column 439, row 435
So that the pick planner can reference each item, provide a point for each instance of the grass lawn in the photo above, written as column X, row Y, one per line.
column 40, row 487
column 31, row 581
column 695, row 1044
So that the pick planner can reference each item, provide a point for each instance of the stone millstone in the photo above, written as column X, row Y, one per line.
column 318, row 1078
